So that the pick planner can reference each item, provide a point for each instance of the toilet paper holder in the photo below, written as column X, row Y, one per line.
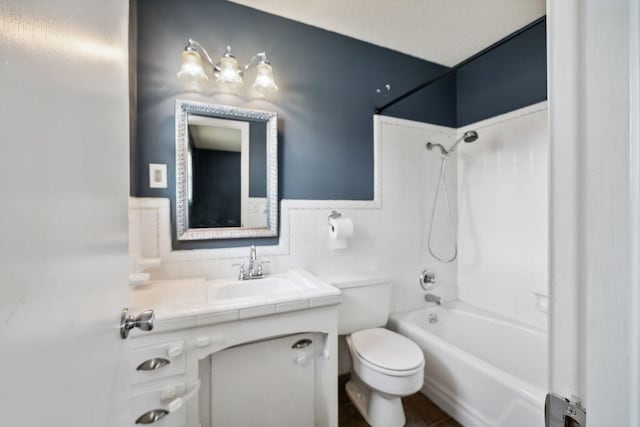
column 333, row 215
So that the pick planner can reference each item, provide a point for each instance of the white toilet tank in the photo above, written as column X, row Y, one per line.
column 366, row 301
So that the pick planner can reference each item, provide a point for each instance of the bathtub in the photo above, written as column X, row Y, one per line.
column 484, row 370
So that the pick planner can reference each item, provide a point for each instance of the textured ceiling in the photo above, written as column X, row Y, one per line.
column 441, row 31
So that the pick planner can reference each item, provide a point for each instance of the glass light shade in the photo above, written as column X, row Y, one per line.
column 191, row 70
column 229, row 76
column 264, row 85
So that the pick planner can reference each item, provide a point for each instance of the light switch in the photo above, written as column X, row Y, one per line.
column 157, row 175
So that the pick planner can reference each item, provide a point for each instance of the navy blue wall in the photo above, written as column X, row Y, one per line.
column 328, row 93
column 325, row 103
column 412, row 108
column 326, row 99
column 508, row 77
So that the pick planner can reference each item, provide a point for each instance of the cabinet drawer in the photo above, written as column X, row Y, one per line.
column 159, row 399
column 157, row 361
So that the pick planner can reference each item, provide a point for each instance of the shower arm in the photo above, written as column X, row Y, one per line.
column 443, row 150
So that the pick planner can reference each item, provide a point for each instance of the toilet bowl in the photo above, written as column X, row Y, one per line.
column 386, row 366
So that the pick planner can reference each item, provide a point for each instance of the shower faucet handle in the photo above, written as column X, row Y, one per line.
column 427, row 279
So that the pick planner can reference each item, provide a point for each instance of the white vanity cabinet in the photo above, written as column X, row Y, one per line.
column 275, row 365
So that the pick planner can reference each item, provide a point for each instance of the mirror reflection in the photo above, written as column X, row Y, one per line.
column 223, row 156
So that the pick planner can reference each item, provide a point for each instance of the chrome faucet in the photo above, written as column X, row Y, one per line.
column 254, row 268
column 433, row 298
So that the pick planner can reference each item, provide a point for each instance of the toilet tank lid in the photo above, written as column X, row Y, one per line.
column 352, row 280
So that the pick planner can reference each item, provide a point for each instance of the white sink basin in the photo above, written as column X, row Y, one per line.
column 265, row 287
column 271, row 289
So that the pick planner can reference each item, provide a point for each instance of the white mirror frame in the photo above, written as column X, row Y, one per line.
column 183, row 232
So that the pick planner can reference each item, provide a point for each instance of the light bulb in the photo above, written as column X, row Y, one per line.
column 228, row 75
column 191, row 71
column 264, row 85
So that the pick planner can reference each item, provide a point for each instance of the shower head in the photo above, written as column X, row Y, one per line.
column 468, row 137
column 431, row 145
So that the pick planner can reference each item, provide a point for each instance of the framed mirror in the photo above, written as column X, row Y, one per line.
column 226, row 172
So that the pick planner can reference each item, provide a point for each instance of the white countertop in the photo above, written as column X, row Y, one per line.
column 191, row 302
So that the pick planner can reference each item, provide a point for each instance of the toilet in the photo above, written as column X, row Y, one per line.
column 386, row 366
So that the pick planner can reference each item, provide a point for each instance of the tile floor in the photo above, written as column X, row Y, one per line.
column 419, row 410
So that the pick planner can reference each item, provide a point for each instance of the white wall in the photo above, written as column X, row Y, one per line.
column 388, row 237
column 503, row 214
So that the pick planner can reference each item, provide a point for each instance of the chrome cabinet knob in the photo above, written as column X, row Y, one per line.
column 143, row 321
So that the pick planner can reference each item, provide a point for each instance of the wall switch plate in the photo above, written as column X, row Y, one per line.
column 157, row 175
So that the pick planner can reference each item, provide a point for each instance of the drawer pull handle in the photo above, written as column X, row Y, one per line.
column 175, row 405
column 152, row 364
column 152, row 416
column 303, row 343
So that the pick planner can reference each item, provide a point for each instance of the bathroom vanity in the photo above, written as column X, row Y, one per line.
column 231, row 353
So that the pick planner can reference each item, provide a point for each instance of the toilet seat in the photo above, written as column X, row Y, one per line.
column 387, row 352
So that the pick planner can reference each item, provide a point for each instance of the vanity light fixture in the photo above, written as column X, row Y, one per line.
column 227, row 73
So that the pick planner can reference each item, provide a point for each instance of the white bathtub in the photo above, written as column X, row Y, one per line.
column 482, row 369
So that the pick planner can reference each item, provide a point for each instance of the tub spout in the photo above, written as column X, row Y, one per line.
column 433, row 298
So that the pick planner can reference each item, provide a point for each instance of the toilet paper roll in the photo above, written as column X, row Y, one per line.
column 340, row 228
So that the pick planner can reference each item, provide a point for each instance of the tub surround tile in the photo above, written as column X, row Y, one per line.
column 503, row 214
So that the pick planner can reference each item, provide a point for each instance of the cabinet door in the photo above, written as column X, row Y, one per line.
column 268, row 383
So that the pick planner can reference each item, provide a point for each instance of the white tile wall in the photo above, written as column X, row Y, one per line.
column 388, row 232
column 497, row 187
column 503, row 214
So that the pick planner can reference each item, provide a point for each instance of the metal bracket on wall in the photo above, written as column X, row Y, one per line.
column 561, row 412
